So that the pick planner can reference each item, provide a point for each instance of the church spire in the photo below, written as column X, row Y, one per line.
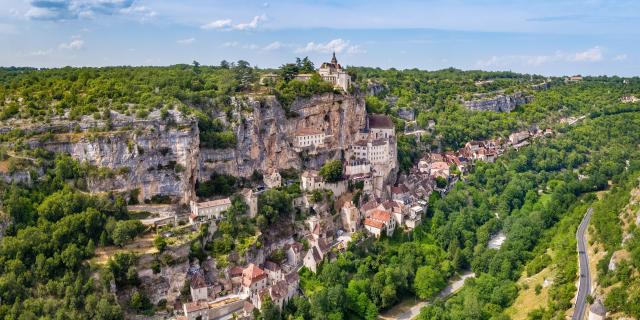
column 334, row 60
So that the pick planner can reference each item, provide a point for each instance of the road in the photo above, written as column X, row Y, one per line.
column 584, row 288
column 414, row 311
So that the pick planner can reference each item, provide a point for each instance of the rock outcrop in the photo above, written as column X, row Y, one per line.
column 265, row 134
column 499, row 103
column 154, row 156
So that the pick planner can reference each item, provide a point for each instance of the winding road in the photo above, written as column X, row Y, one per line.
column 584, row 288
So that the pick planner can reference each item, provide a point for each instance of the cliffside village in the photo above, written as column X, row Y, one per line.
column 385, row 206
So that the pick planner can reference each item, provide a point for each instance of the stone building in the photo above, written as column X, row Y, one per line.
column 333, row 72
column 350, row 217
column 308, row 137
column 204, row 211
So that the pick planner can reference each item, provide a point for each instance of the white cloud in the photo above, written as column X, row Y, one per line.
column 273, row 46
column 335, row 45
column 620, row 57
column 187, row 41
column 217, row 24
column 230, row 44
column 74, row 9
column 250, row 46
column 227, row 24
column 590, row 55
column 40, row 53
column 251, row 25
column 75, row 44
column 142, row 12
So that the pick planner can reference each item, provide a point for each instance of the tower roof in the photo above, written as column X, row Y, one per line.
column 333, row 59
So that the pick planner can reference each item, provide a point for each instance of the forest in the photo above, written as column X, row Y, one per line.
column 531, row 195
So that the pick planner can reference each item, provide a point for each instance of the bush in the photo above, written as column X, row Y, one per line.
column 331, row 171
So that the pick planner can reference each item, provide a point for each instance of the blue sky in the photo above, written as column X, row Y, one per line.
column 558, row 37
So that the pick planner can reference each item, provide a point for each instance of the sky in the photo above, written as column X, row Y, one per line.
column 548, row 37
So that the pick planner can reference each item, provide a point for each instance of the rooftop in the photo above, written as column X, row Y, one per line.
column 373, row 223
column 379, row 121
column 214, row 203
column 307, row 132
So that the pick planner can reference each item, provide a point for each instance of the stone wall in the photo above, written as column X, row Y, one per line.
column 499, row 103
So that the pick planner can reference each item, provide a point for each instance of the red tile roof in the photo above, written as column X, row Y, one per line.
column 252, row 274
column 373, row 223
column 381, row 215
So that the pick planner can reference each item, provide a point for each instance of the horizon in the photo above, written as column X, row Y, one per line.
column 549, row 38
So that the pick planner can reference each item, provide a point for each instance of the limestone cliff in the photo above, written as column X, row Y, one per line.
column 499, row 103
column 265, row 134
column 154, row 155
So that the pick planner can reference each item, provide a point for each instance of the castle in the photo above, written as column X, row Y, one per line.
column 333, row 72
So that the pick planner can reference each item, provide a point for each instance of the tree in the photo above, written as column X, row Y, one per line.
column 160, row 242
column 289, row 71
column 428, row 282
column 331, row 171
column 441, row 182
column 125, row 231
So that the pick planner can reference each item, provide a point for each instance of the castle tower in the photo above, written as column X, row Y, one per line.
column 334, row 60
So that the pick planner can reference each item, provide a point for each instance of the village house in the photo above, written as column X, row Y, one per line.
column 273, row 270
column 312, row 259
column 378, row 221
column 350, row 217
column 397, row 210
column 333, row 72
column 400, row 193
column 205, row 211
column 311, row 180
column 198, row 310
column 254, row 280
column 294, row 253
column 198, row 287
column 308, row 138
column 439, row 169
column 414, row 218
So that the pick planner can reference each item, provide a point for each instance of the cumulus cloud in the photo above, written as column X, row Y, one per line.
column 74, row 9
column 590, row 55
column 335, row 45
column 217, row 24
column 187, row 41
column 227, row 24
column 75, row 44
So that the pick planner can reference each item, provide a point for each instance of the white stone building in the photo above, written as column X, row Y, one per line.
column 204, row 211
column 311, row 180
column 333, row 72
column 308, row 138
column 378, row 221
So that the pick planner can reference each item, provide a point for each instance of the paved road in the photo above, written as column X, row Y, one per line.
column 584, row 288
column 414, row 311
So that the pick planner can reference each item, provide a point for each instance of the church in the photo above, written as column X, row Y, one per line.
column 333, row 72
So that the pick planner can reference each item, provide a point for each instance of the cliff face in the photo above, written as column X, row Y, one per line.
column 155, row 156
column 500, row 103
column 162, row 155
column 265, row 135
